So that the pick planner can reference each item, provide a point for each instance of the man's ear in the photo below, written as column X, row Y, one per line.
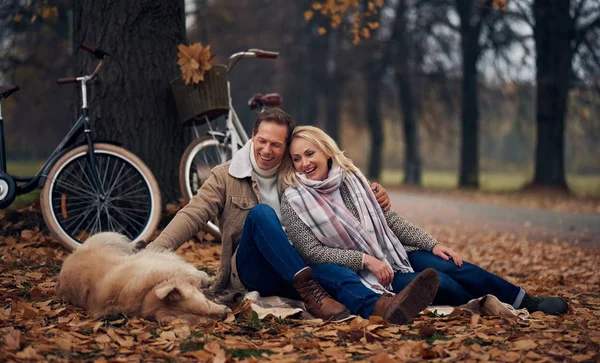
column 169, row 292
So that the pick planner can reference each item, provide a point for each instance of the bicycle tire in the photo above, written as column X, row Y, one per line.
column 189, row 187
column 124, row 207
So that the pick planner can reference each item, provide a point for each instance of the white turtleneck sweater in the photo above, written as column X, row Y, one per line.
column 267, row 184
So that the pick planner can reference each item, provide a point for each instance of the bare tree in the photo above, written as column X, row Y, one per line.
column 562, row 28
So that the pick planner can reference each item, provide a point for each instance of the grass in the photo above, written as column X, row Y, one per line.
column 24, row 168
column 585, row 185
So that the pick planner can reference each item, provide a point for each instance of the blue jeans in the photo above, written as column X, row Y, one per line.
column 458, row 285
column 265, row 259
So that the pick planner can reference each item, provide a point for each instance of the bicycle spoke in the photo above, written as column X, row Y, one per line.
column 74, row 187
column 109, row 191
column 80, row 163
column 129, row 220
column 82, row 220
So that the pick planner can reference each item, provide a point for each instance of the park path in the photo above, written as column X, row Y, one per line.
column 579, row 229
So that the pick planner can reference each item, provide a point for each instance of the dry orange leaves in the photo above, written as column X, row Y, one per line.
column 36, row 326
column 193, row 61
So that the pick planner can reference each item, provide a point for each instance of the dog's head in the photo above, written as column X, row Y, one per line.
column 176, row 299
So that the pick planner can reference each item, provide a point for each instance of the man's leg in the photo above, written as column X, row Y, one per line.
column 268, row 263
column 449, row 291
column 472, row 278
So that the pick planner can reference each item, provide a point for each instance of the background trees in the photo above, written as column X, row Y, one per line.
column 432, row 84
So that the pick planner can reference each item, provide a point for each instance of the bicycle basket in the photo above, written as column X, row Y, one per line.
column 208, row 98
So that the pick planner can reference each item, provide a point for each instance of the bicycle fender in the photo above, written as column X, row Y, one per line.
column 50, row 164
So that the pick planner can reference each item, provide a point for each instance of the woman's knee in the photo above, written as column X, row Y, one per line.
column 451, row 291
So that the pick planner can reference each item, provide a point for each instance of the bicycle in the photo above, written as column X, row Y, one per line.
column 218, row 146
column 87, row 186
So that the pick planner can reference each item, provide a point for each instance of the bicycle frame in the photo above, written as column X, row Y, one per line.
column 238, row 134
column 234, row 129
column 82, row 126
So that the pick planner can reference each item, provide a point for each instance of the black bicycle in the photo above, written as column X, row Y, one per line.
column 87, row 186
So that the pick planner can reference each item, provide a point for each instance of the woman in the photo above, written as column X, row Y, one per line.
column 333, row 220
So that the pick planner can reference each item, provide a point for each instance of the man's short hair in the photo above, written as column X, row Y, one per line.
column 278, row 116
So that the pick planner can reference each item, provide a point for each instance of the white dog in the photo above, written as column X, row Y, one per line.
column 106, row 275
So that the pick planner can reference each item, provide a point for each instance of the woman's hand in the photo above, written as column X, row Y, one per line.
column 447, row 253
column 383, row 271
column 382, row 196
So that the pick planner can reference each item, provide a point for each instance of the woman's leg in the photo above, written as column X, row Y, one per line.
column 345, row 286
column 449, row 291
column 472, row 278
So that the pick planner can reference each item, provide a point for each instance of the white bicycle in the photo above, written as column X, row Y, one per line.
column 209, row 104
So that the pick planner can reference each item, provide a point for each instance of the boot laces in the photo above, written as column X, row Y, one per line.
column 315, row 290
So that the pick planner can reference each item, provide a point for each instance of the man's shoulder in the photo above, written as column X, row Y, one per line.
column 222, row 169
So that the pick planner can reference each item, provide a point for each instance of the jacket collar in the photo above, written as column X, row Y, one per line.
column 240, row 166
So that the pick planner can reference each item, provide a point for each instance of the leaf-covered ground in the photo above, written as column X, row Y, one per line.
column 34, row 325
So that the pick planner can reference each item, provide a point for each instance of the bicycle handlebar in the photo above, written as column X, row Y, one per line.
column 252, row 53
column 66, row 80
column 97, row 52
column 264, row 53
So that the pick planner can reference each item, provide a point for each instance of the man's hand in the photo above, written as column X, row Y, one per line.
column 382, row 196
column 447, row 253
column 383, row 271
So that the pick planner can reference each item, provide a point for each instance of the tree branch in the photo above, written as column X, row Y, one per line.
column 581, row 33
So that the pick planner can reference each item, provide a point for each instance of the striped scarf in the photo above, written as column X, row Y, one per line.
column 335, row 226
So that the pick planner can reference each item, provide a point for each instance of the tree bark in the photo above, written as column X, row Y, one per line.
column 553, row 32
column 132, row 103
column 470, row 30
column 404, row 71
column 332, row 108
column 373, row 116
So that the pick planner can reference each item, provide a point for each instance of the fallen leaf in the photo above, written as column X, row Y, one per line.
column 103, row 339
column 524, row 344
column 13, row 339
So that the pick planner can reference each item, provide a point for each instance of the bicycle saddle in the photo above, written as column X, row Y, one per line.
column 270, row 99
column 7, row 89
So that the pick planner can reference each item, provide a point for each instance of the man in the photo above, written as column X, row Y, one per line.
column 244, row 194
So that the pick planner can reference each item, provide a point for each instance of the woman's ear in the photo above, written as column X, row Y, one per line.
column 329, row 163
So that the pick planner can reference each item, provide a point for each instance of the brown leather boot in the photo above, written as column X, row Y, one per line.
column 408, row 303
column 317, row 301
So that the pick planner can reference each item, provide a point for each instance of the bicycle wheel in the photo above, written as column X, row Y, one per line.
column 197, row 161
column 127, row 200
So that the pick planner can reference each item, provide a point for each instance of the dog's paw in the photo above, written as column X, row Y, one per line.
column 140, row 245
column 206, row 283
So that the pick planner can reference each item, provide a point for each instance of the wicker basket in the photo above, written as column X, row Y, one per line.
column 204, row 98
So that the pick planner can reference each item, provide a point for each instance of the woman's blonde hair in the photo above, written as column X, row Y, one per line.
column 321, row 141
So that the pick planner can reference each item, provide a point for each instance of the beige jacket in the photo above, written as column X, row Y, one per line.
column 228, row 194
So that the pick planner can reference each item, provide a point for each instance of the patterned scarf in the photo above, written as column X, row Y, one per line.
column 335, row 226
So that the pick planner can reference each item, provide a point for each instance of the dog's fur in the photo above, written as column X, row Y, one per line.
column 107, row 275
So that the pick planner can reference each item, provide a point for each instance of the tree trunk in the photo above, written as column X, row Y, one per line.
column 132, row 103
column 332, row 108
column 470, row 48
column 335, row 80
column 553, row 33
column 412, row 157
column 374, row 123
